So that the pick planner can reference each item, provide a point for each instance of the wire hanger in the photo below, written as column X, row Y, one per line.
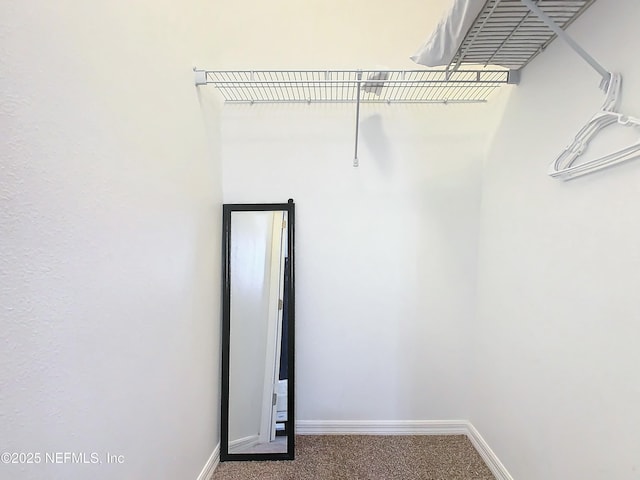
column 563, row 167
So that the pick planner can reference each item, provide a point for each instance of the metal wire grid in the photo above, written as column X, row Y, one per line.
column 508, row 34
column 341, row 86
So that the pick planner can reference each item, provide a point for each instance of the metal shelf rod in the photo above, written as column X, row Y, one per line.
column 355, row 156
column 239, row 83
column 309, row 101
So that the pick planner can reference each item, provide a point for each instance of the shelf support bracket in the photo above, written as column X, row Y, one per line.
column 199, row 77
column 604, row 73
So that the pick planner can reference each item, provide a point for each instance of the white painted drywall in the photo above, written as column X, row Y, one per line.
column 251, row 237
column 110, row 238
column 322, row 34
column 556, row 379
column 385, row 253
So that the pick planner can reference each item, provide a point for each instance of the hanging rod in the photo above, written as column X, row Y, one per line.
column 341, row 86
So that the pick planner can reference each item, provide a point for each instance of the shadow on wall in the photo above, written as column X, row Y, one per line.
column 374, row 137
column 210, row 107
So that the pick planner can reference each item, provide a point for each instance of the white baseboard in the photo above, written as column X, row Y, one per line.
column 210, row 466
column 381, row 427
column 242, row 443
column 408, row 427
column 488, row 455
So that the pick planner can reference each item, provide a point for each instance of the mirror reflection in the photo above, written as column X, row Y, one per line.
column 258, row 417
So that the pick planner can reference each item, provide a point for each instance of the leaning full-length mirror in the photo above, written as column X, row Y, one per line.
column 258, row 332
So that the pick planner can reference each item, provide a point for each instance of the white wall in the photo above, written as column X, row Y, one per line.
column 386, row 252
column 556, row 380
column 322, row 34
column 110, row 217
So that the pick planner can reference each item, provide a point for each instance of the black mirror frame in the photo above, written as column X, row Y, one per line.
column 288, row 207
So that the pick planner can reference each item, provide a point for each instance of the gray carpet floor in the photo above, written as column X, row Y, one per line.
column 359, row 457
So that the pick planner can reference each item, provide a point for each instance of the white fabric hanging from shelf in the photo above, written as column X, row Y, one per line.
column 442, row 45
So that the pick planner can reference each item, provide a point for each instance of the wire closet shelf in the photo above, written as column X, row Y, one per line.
column 510, row 34
column 355, row 86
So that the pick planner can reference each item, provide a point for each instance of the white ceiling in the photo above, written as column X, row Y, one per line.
column 319, row 34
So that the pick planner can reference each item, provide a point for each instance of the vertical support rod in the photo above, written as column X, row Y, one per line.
column 606, row 76
column 355, row 157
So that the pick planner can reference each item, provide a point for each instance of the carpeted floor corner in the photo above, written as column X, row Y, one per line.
column 367, row 457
